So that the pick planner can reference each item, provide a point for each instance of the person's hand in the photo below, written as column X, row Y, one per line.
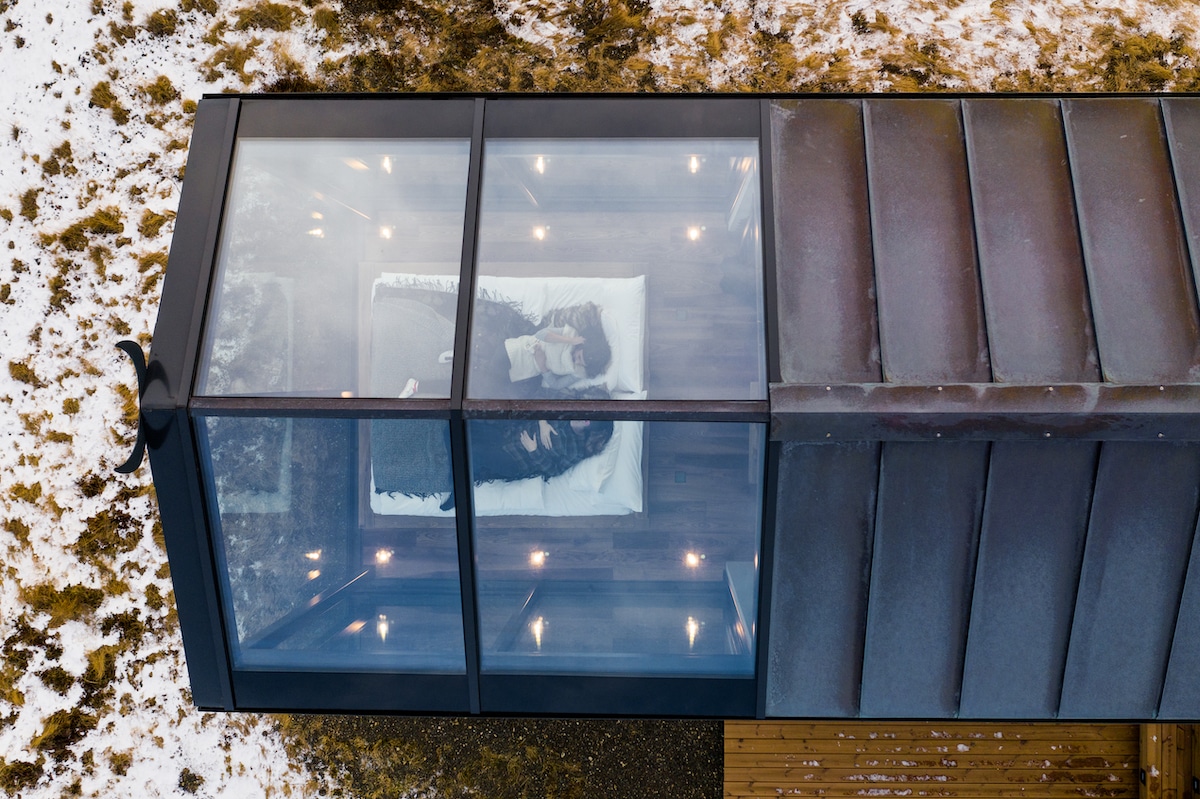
column 546, row 433
column 539, row 358
column 527, row 441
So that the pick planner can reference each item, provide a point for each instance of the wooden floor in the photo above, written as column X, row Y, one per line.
column 921, row 759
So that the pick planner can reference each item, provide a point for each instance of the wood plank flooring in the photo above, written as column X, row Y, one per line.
column 914, row 759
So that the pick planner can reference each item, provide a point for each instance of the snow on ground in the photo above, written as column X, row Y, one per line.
column 113, row 715
column 96, row 99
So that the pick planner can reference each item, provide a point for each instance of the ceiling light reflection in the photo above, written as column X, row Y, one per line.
column 538, row 559
column 383, row 556
column 540, row 165
column 537, row 626
column 314, row 574
column 692, row 559
column 693, row 629
column 314, row 555
column 381, row 627
column 539, row 233
column 693, row 164
column 387, row 164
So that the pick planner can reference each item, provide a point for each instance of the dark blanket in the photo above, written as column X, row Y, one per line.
column 411, row 456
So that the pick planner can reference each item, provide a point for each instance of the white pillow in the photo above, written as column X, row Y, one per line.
column 625, row 484
column 590, row 474
column 509, row 498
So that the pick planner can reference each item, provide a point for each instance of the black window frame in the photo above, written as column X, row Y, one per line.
column 170, row 408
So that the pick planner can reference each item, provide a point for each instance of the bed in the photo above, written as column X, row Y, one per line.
column 609, row 484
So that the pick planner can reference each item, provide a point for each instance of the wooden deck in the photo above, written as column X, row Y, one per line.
column 958, row 759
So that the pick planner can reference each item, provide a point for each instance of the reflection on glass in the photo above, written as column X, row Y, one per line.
column 308, row 583
column 312, row 230
column 650, row 566
column 628, row 267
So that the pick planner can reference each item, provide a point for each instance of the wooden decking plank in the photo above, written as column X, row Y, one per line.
column 955, row 776
column 952, row 731
column 1050, row 790
column 909, row 760
column 892, row 745
column 960, row 760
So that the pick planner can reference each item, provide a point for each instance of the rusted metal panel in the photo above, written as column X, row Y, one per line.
column 985, row 412
column 1143, row 303
column 824, row 272
column 1182, row 118
column 824, row 531
column 931, row 326
column 1031, row 546
column 927, row 527
column 1142, row 524
column 1181, row 690
column 1030, row 263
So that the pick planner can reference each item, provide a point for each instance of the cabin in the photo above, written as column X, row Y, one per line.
column 764, row 408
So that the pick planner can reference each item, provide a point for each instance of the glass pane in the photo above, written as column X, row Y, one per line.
column 313, row 230
column 313, row 576
column 632, row 265
column 639, row 559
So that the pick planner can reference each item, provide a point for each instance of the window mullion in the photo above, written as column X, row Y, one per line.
column 464, row 513
column 466, row 280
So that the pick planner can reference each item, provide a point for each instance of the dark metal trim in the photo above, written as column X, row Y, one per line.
column 350, row 692
column 985, row 412
column 464, row 517
column 968, row 151
column 1164, row 122
column 1072, row 183
column 766, row 573
column 208, row 258
column 611, row 116
column 974, row 578
column 768, row 244
column 348, row 117
column 186, row 532
column 638, row 410
column 1178, row 611
column 185, row 290
column 676, row 696
column 466, row 276
column 642, row 96
column 332, row 407
column 1087, row 535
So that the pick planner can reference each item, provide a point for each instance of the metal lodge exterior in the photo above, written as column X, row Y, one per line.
column 904, row 392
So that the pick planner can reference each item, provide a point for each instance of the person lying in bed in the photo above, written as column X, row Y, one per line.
column 560, row 356
column 505, row 359
column 507, row 450
column 516, row 450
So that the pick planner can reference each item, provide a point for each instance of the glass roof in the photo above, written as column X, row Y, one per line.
column 306, row 225
column 366, row 520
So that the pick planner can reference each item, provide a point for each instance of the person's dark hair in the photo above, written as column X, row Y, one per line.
column 597, row 354
column 596, row 436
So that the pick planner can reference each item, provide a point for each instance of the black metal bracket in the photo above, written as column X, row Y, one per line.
column 134, row 351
